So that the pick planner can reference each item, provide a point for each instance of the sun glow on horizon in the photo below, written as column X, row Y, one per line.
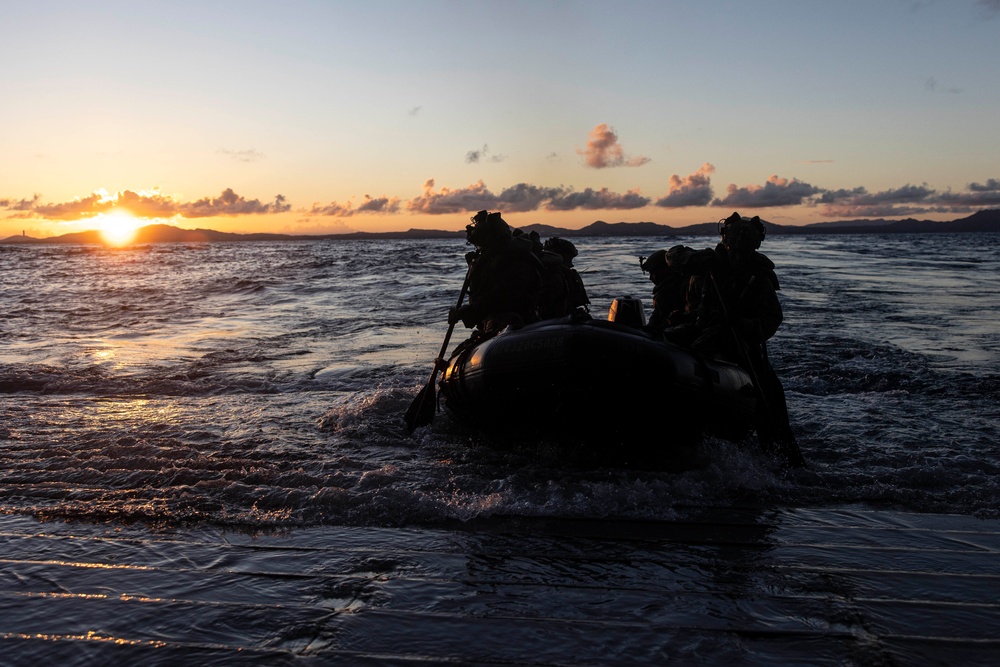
column 118, row 228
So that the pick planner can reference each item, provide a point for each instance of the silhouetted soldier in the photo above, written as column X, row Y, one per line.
column 670, row 288
column 733, row 302
column 575, row 292
column 505, row 283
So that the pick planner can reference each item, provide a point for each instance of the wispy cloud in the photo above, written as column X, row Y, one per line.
column 692, row 190
column 931, row 85
column 249, row 155
column 474, row 157
column 988, row 8
column 603, row 150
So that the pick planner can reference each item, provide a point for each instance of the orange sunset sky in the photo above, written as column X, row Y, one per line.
column 320, row 117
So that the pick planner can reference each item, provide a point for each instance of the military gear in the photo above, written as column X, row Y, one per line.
column 563, row 292
column 740, row 235
column 505, row 283
column 654, row 263
column 487, row 230
column 748, row 291
column 667, row 271
column 562, row 247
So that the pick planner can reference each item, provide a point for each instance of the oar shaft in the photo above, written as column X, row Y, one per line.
column 451, row 325
column 417, row 414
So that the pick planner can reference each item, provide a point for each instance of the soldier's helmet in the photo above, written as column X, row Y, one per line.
column 741, row 235
column 561, row 247
column 487, row 229
column 655, row 263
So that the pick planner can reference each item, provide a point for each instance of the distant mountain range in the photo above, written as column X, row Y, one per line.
column 983, row 221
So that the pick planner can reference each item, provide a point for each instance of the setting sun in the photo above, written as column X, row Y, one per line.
column 118, row 228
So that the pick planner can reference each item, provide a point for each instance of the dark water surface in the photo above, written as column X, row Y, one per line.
column 204, row 461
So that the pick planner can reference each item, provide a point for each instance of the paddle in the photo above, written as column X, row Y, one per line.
column 422, row 409
column 767, row 419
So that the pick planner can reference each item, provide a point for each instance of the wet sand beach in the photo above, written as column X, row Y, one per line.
column 722, row 586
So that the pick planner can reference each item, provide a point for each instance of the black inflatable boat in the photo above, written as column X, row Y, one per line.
column 589, row 379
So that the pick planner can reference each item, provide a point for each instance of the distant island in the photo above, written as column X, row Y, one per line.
column 982, row 221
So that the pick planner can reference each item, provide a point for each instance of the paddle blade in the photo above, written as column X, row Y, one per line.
column 421, row 410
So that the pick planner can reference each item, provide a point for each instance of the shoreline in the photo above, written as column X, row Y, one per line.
column 981, row 222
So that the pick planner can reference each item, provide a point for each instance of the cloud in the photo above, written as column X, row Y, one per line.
column 524, row 197
column 859, row 203
column 472, row 198
column 249, row 155
column 520, row 198
column 931, row 84
column 979, row 195
column 906, row 194
column 990, row 8
column 146, row 204
column 908, row 200
column 775, row 192
column 19, row 204
column 473, row 157
column 230, row 203
column 153, row 205
column 593, row 200
column 992, row 185
column 77, row 209
column 371, row 205
column 603, row 150
column 476, row 197
column 692, row 190
column 379, row 205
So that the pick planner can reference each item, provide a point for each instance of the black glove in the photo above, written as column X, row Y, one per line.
column 466, row 314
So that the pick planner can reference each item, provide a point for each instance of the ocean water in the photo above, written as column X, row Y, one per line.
column 198, row 413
